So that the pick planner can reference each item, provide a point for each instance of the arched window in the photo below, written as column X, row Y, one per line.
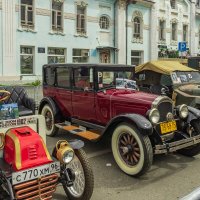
column 137, row 27
column 104, row 22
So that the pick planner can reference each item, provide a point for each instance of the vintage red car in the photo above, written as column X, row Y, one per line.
column 84, row 100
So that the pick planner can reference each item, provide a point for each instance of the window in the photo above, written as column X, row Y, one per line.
column 81, row 20
column 80, row 55
column 185, row 33
column 173, row 4
column 27, row 14
column 161, row 30
column 49, row 76
column 56, row 55
column 174, row 31
column 104, row 56
column 83, row 78
column 104, row 22
column 198, row 3
column 57, row 13
column 136, row 57
column 26, row 59
column 137, row 28
column 63, row 77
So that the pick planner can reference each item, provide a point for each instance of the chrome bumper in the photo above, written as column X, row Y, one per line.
column 174, row 146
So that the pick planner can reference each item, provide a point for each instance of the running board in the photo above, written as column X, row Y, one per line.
column 78, row 130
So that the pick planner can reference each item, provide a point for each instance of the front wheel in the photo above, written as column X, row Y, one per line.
column 47, row 112
column 132, row 151
column 83, row 181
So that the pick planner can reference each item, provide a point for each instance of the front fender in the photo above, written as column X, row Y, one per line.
column 143, row 124
column 193, row 114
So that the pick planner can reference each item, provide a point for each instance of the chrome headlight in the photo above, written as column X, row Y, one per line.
column 183, row 111
column 154, row 116
column 64, row 152
column 68, row 156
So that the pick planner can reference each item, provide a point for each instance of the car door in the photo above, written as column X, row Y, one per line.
column 83, row 94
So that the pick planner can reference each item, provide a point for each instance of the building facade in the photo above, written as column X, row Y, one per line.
column 35, row 32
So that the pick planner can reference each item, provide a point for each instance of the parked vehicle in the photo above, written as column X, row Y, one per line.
column 84, row 100
column 28, row 171
column 177, row 81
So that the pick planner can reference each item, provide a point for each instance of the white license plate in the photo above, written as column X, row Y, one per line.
column 34, row 173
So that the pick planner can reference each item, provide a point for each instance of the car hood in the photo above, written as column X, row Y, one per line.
column 191, row 89
column 133, row 96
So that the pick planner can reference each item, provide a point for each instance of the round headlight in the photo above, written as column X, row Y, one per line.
column 68, row 156
column 154, row 116
column 183, row 111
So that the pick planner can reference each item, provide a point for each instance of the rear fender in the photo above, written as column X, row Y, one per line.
column 143, row 124
column 50, row 101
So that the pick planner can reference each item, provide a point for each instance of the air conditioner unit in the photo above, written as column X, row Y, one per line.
column 85, row 53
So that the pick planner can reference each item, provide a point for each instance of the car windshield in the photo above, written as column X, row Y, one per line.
column 116, row 79
column 185, row 77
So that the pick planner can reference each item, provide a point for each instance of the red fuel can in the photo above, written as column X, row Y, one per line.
column 24, row 148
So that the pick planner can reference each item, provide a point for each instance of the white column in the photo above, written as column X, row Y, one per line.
column 192, row 27
column 9, row 38
column 153, row 33
column 121, row 31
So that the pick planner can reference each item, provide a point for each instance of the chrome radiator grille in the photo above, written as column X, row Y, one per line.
column 164, row 108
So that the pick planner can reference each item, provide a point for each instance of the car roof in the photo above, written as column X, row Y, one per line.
column 102, row 65
column 163, row 67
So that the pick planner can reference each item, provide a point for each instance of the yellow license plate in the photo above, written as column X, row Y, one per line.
column 168, row 127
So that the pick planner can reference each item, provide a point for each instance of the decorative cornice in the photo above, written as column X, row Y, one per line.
column 122, row 4
column 162, row 42
column 173, row 43
column 43, row 12
column 162, row 19
column 137, row 14
column 174, row 20
column 81, row 3
column 137, row 40
column 104, row 6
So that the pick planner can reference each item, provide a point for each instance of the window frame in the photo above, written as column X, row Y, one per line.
column 27, row 24
column 185, row 35
column 80, row 55
column 79, row 18
column 137, row 26
column 173, row 4
column 54, row 27
column 174, row 31
column 56, row 55
column 162, row 35
column 56, row 77
column 140, row 57
column 104, row 24
column 26, row 54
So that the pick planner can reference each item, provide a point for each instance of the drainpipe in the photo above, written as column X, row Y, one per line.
column 127, row 4
column 114, row 31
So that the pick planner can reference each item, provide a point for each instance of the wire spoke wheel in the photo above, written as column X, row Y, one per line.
column 79, row 183
column 49, row 120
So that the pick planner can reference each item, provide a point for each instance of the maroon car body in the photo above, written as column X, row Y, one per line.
column 86, row 98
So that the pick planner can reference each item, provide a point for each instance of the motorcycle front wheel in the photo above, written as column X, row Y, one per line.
column 83, row 182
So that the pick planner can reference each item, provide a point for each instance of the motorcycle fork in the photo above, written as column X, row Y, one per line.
column 67, row 176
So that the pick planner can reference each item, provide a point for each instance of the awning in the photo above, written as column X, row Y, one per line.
column 106, row 47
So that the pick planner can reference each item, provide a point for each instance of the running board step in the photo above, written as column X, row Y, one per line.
column 78, row 130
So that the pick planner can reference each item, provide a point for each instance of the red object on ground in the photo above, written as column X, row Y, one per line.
column 24, row 148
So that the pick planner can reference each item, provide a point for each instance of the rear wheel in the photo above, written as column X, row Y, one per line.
column 83, row 182
column 132, row 151
column 192, row 150
column 47, row 112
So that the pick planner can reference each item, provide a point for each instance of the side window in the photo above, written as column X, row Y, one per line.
column 63, row 77
column 83, row 78
column 166, row 80
column 49, row 76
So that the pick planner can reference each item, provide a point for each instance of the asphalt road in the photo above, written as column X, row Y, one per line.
column 171, row 176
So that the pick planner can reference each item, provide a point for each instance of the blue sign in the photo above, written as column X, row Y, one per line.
column 182, row 46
